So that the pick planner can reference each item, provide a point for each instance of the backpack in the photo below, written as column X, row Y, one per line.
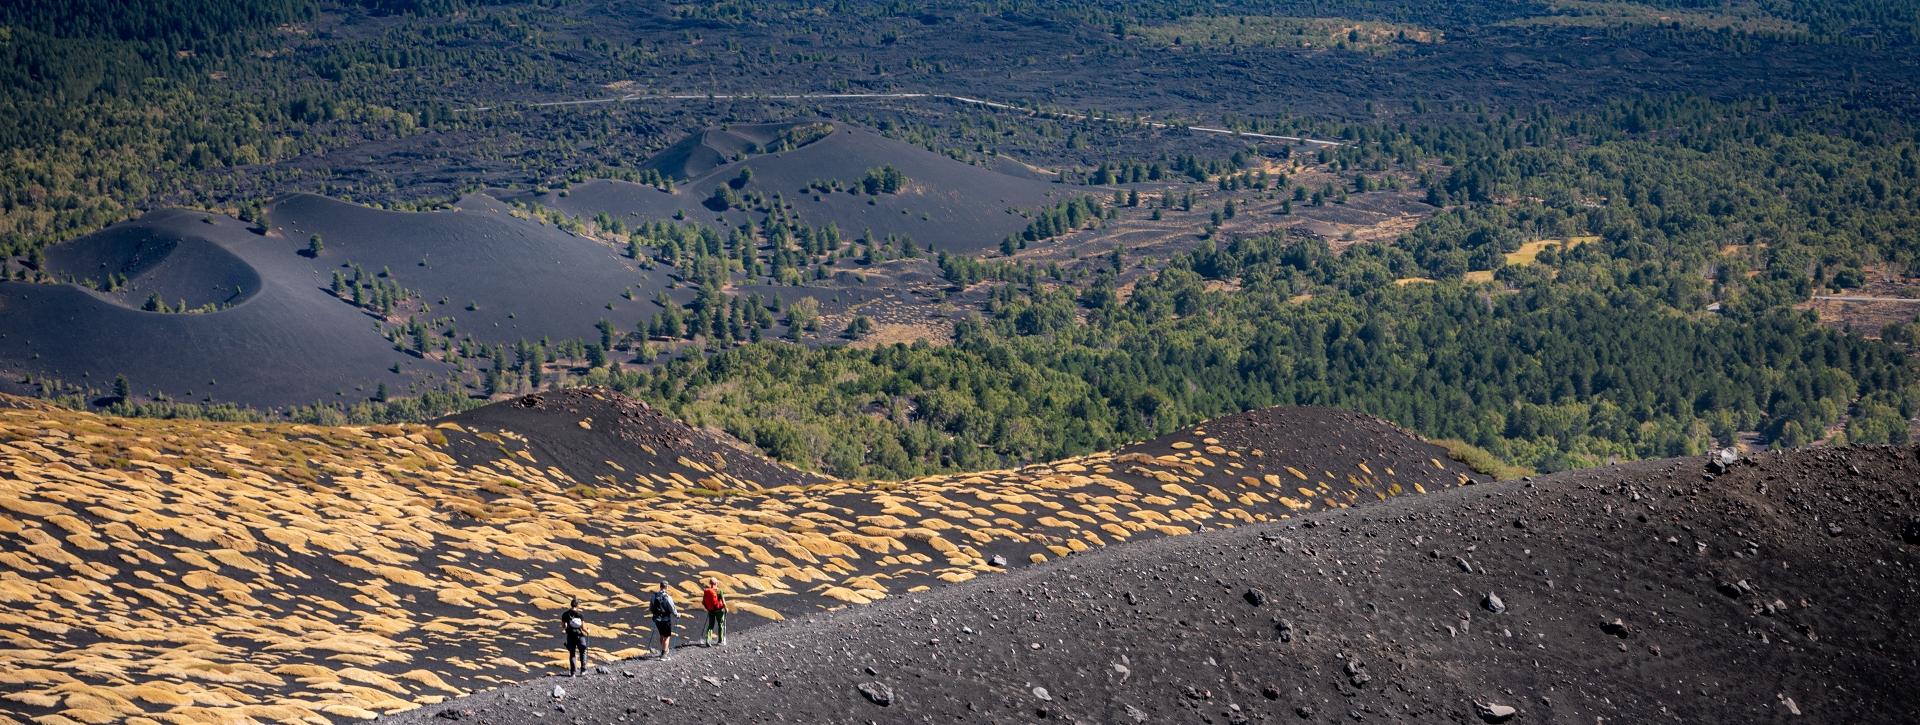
column 662, row 608
column 576, row 626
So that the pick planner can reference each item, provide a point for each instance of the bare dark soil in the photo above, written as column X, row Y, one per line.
column 951, row 205
column 500, row 278
column 599, row 436
column 1649, row 592
column 285, row 341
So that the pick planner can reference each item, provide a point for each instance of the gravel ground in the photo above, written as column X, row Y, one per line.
column 1780, row 589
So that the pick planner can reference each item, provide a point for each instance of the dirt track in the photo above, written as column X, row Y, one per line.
column 1782, row 586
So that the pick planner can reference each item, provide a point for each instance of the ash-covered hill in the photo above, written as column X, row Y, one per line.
column 274, row 313
column 602, row 438
column 954, row 206
column 197, row 572
column 1780, row 590
column 1336, row 456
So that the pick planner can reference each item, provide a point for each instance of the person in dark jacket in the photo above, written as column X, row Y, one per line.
column 576, row 630
column 716, row 607
column 663, row 611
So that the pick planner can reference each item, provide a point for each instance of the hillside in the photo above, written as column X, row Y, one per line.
column 237, row 572
column 282, row 318
column 1649, row 592
column 600, row 438
column 954, row 206
column 240, row 302
column 187, row 305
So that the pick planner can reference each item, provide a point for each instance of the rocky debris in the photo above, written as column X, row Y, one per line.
column 997, row 560
column 559, row 692
column 1256, row 597
column 878, row 693
column 1357, row 673
column 453, row 713
column 1493, row 713
column 1617, row 628
column 1284, row 630
column 1911, row 534
column 1722, row 460
column 1465, row 566
column 1137, row 714
column 1492, row 603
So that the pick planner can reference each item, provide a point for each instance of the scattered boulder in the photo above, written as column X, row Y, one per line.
column 1256, row 597
column 1041, row 692
column 997, row 560
column 1616, row 628
column 877, row 693
column 1911, row 534
column 1284, row 629
column 1493, row 713
column 559, row 692
column 1357, row 673
column 1493, row 603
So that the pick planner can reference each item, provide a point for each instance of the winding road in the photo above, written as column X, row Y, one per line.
column 964, row 100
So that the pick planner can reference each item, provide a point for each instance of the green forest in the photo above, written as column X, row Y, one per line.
column 1715, row 216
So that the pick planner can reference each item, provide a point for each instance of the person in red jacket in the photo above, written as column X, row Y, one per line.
column 716, row 613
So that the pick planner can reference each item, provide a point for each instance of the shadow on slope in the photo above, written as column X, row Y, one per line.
column 288, row 343
column 185, row 271
column 1643, row 592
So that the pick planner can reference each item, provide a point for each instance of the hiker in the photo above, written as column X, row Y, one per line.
column 663, row 612
column 716, row 614
column 576, row 629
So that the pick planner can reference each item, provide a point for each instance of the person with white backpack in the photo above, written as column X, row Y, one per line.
column 576, row 630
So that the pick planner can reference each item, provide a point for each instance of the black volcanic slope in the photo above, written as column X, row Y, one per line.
column 280, row 336
column 954, row 206
column 1649, row 592
column 602, row 437
column 703, row 151
column 1320, row 448
column 156, row 260
column 529, row 280
column 283, row 341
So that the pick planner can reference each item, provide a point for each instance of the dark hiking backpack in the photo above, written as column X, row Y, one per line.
column 660, row 608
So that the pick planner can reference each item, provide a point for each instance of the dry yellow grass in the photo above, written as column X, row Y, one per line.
column 234, row 573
